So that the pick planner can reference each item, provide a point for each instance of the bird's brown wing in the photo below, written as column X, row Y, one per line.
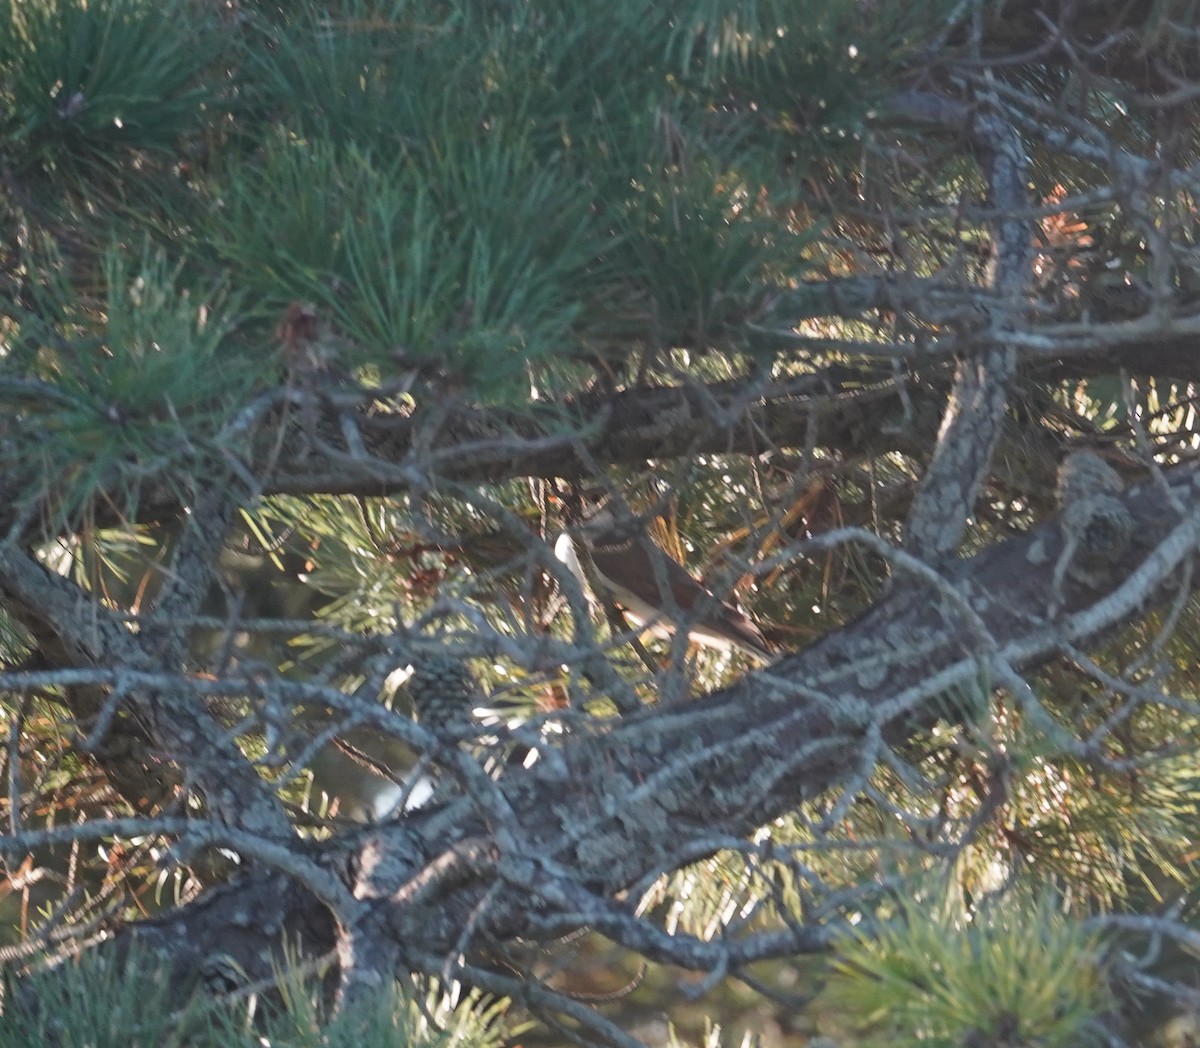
column 630, row 567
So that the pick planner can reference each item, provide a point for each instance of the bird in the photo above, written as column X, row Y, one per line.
column 651, row 587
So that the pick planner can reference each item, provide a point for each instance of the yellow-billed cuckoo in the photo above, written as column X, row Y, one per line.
column 652, row 588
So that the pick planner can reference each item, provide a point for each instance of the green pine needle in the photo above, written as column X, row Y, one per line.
column 1012, row 972
column 95, row 80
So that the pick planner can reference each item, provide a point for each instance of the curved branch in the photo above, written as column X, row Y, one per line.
column 590, row 824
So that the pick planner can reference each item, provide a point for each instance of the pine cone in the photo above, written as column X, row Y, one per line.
column 1096, row 525
column 444, row 693
column 1102, row 529
column 1084, row 474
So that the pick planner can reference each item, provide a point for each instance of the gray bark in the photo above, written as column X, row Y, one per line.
column 556, row 846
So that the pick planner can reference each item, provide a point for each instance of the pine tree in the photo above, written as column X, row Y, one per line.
column 324, row 328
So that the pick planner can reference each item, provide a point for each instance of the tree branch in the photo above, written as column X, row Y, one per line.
column 171, row 721
column 975, row 412
column 591, row 824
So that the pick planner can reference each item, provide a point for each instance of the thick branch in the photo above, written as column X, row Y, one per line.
column 596, row 818
column 840, row 408
column 84, row 634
